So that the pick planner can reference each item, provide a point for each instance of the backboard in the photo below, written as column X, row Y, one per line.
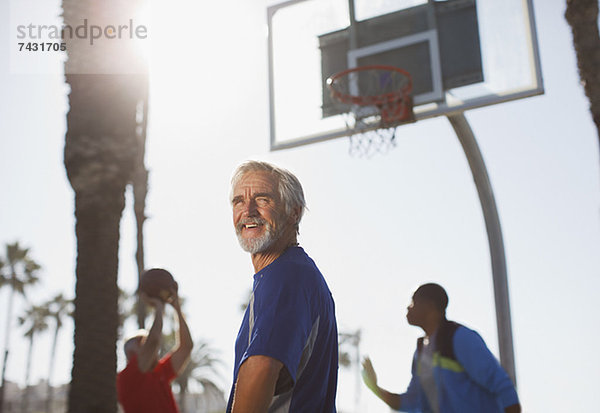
column 461, row 54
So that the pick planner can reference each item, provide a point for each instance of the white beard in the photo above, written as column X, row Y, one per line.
column 260, row 244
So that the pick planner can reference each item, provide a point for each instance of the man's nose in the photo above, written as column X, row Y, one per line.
column 250, row 208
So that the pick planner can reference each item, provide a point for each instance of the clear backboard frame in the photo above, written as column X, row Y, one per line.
column 511, row 72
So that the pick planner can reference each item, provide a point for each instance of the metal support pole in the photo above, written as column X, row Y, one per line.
column 492, row 223
column 352, row 41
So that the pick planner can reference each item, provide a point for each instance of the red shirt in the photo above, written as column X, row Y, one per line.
column 148, row 392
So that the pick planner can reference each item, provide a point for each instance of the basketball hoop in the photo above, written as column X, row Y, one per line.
column 377, row 99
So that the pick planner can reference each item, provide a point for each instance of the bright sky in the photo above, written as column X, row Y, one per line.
column 377, row 228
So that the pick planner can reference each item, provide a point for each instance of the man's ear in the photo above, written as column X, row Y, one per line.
column 295, row 216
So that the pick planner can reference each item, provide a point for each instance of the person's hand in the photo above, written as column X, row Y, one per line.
column 174, row 298
column 368, row 375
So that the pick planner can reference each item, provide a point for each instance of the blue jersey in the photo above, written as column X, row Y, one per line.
column 291, row 318
column 472, row 381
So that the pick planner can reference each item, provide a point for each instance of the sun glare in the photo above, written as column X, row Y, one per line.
column 142, row 18
column 192, row 45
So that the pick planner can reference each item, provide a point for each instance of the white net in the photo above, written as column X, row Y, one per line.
column 379, row 100
column 368, row 137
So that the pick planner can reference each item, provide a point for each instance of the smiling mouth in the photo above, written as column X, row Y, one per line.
column 247, row 226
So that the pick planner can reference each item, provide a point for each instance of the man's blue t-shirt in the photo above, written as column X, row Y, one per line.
column 291, row 318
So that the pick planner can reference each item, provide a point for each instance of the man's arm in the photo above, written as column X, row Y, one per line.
column 370, row 378
column 149, row 349
column 483, row 368
column 255, row 384
column 181, row 352
column 515, row 408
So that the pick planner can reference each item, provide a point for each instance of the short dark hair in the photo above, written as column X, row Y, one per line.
column 434, row 293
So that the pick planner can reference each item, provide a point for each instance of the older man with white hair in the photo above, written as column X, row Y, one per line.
column 286, row 352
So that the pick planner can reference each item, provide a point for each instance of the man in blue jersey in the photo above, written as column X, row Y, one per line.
column 286, row 352
column 453, row 371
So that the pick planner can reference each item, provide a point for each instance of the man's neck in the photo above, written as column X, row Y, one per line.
column 262, row 259
column 431, row 326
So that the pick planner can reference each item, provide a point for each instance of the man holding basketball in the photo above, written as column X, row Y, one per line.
column 452, row 371
column 145, row 383
column 286, row 357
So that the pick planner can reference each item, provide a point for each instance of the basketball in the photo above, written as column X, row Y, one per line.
column 157, row 283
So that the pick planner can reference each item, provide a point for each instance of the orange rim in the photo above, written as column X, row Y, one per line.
column 370, row 100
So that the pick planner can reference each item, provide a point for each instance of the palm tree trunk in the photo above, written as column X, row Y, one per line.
column 25, row 397
column 140, row 191
column 96, row 317
column 101, row 149
column 100, row 154
column 140, row 307
column 582, row 16
column 11, row 298
column 50, row 391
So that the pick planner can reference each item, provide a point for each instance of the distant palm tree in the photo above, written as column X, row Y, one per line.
column 345, row 340
column 18, row 271
column 35, row 319
column 57, row 309
column 203, row 369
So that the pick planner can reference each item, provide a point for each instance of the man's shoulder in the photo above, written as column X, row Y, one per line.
column 467, row 340
column 298, row 276
column 464, row 332
column 130, row 367
column 296, row 265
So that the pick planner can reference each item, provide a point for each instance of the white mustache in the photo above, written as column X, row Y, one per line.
column 256, row 221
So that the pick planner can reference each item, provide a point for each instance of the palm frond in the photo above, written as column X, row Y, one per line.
column 35, row 319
